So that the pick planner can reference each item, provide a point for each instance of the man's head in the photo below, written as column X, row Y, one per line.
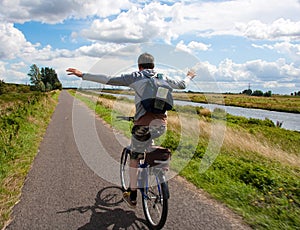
column 146, row 61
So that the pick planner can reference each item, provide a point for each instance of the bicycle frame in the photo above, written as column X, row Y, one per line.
column 143, row 177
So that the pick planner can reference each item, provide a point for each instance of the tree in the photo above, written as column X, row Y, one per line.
column 50, row 79
column 45, row 79
column 57, row 85
column 41, row 86
column 36, row 78
column 247, row 92
column 34, row 74
column 257, row 93
column 48, row 86
column 268, row 93
column 2, row 87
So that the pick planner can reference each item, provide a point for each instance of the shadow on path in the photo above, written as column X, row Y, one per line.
column 107, row 215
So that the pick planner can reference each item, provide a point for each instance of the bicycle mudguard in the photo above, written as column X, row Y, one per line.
column 126, row 149
column 164, row 185
column 165, row 190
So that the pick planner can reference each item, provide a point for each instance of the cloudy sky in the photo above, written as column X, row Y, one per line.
column 231, row 43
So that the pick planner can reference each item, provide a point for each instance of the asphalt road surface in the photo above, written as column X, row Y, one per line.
column 73, row 183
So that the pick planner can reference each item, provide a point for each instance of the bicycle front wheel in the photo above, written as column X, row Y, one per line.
column 155, row 202
column 124, row 169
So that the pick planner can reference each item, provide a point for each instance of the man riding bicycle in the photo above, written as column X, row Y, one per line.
column 147, row 125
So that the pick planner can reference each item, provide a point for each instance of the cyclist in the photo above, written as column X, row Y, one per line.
column 147, row 125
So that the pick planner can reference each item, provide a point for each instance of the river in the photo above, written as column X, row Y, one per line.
column 290, row 121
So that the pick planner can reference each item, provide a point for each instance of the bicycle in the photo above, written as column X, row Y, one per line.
column 151, row 183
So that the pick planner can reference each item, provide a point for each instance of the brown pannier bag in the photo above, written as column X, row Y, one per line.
column 158, row 156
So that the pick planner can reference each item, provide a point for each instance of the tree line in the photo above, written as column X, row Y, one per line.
column 44, row 79
column 257, row 93
column 295, row 93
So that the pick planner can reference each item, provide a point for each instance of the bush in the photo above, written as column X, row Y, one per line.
column 257, row 176
column 107, row 96
column 247, row 92
column 246, row 122
column 205, row 112
column 13, row 88
column 257, row 93
column 268, row 94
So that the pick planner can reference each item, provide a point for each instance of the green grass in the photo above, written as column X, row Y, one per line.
column 286, row 140
column 264, row 193
column 261, row 189
column 23, row 125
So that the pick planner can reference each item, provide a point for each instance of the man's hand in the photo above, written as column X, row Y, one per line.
column 191, row 74
column 76, row 72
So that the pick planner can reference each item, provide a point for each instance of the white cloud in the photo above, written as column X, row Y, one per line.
column 13, row 45
column 18, row 66
column 280, row 29
column 290, row 50
column 16, row 76
column 144, row 24
column 98, row 49
column 193, row 46
column 293, row 50
column 101, row 8
column 228, row 71
column 275, row 85
column 12, row 41
column 222, row 17
column 44, row 54
column 13, row 74
column 2, row 70
column 230, row 76
column 134, row 26
column 56, row 11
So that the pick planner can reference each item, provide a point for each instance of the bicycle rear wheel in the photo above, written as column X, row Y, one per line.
column 155, row 201
column 124, row 169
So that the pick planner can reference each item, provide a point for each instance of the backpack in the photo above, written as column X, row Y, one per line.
column 157, row 95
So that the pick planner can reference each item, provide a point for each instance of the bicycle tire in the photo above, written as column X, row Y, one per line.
column 155, row 204
column 124, row 169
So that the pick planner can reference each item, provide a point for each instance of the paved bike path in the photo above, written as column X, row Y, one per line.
column 62, row 192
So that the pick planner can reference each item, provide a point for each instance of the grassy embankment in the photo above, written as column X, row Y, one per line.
column 276, row 102
column 256, row 172
column 24, row 118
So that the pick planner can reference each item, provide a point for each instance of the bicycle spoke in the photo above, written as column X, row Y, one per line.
column 155, row 205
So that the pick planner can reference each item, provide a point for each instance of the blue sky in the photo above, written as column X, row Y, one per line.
column 231, row 43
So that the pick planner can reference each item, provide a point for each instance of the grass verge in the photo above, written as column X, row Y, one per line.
column 23, row 124
column 256, row 173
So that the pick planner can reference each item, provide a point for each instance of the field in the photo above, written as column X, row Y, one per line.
column 275, row 102
column 250, row 165
column 24, row 118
